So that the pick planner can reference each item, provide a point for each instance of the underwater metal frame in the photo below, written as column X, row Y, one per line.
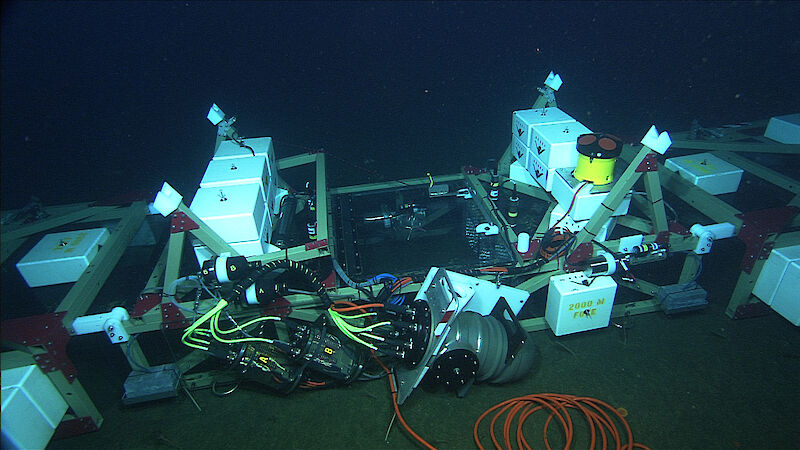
column 44, row 337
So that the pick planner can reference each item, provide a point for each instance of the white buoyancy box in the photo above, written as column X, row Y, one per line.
column 518, row 173
column 557, row 144
column 61, row 257
column 576, row 303
column 784, row 129
column 519, row 151
column 246, row 249
column 228, row 172
column 540, row 172
column 32, row 407
column 255, row 247
column 707, row 172
column 262, row 147
column 786, row 301
column 774, row 271
column 522, row 122
column 587, row 198
column 235, row 213
column 567, row 222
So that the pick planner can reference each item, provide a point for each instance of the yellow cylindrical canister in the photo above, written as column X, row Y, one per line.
column 598, row 153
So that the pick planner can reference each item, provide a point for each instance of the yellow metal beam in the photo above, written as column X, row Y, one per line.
column 765, row 173
column 84, row 291
column 656, row 208
column 710, row 206
column 297, row 160
column 747, row 147
column 614, row 198
column 72, row 214
column 394, row 184
column 322, row 198
column 635, row 223
column 488, row 206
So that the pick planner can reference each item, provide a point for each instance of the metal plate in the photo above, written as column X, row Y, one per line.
column 439, row 293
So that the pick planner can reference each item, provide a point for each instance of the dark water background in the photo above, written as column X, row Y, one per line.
column 110, row 97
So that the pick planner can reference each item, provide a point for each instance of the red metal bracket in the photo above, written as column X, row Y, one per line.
column 473, row 170
column 580, row 254
column 662, row 238
column 75, row 427
column 756, row 227
column 755, row 309
column 145, row 303
column 330, row 281
column 172, row 318
column 648, row 164
column 279, row 307
column 46, row 331
column 446, row 317
column 533, row 250
column 182, row 222
column 316, row 244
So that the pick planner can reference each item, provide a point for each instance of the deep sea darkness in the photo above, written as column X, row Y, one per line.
column 101, row 99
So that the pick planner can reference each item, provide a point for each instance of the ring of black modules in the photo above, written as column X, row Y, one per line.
column 453, row 370
column 419, row 338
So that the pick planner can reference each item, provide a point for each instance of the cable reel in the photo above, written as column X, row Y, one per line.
column 493, row 348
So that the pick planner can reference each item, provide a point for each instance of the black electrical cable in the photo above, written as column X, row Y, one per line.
column 241, row 143
column 564, row 249
column 297, row 378
column 364, row 291
column 240, row 288
column 369, row 377
column 546, row 242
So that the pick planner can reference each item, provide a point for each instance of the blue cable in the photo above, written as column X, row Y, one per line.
column 398, row 299
column 387, row 276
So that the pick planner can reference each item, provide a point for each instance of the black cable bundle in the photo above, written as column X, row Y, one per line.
column 240, row 288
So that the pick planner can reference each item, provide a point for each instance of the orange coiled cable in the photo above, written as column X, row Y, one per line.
column 596, row 413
